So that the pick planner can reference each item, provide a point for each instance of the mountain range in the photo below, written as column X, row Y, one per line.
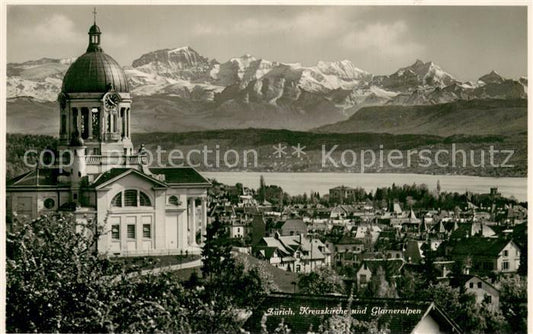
column 180, row 90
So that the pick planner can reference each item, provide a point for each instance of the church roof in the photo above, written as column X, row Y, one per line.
column 95, row 72
column 171, row 176
column 37, row 177
column 181, row 175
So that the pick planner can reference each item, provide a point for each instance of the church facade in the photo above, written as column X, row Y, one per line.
column 101, row 179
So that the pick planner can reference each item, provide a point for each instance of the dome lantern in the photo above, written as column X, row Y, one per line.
column 94, row 37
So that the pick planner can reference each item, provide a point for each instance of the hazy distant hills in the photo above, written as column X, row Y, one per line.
column 480, row 117
column 187, row 91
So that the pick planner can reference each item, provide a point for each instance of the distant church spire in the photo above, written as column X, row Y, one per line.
column 94, row 36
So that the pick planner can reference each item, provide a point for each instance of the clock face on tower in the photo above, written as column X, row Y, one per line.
column 111, row 101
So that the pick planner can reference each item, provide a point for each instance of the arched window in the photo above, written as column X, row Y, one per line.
column 132, row 198
column 144, row 200
column 117, row 200
column 174, row 200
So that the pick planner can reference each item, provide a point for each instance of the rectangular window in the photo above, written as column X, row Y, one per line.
column 115, row 232
column 147, row 231
column 505, row 265
column 131, row 231
column 298, row 268
column 479, row 285
column 471, row 285
column 505, row 253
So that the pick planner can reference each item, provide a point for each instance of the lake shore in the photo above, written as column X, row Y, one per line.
column 303, row 182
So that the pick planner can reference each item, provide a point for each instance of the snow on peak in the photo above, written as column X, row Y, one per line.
column 344, row 69
column 492, row 78
column 182, row 49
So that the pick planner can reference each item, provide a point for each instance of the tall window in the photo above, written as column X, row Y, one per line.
column 95, row 119
column 108, row 125
column 115, row 232
column 147, row 231
column 85, row 123
column 114, row 122
column 74, row 119
column 131, row 231
column 63, row 124
column 123, row 119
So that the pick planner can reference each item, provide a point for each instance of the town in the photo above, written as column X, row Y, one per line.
column 104, row 240
column 377, row 241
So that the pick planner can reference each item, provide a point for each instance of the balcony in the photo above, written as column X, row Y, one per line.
column 122, row 160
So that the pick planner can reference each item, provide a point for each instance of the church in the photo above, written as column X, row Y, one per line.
column 103, row 180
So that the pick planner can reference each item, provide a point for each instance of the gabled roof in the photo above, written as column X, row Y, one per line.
column 115, row 174
column 293, row 223
column 181, row 175
column 394, row 266
column 37, row 177
column 472, row 229
column 347, row 240
column 480, row 246
column 267, row 251
column 463, row 280
column 288, row 245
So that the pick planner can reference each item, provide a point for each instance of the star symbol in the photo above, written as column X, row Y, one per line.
column 279, row 150
column 298, row 150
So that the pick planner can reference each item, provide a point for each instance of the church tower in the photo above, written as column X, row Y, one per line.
column 95, row 107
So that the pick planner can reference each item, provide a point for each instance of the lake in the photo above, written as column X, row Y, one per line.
column 299, row 183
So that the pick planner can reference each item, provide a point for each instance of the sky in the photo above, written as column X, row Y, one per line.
column 467, row 42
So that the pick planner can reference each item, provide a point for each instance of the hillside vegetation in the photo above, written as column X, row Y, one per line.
column 477, row 117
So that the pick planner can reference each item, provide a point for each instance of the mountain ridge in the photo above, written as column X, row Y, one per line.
column 251, row 91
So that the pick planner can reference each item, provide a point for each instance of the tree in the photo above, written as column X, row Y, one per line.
column 407, row 285
column 322, row 281
column 229, row 292
column 513, row 302
column 461, row 307
column 56, row 282
column 428, row 265
column 379, row 286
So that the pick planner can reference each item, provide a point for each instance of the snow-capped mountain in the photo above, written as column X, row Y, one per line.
column 241, row 70
column 491, row 78
column 412, row 77
column 180, row 63
column 251, row 91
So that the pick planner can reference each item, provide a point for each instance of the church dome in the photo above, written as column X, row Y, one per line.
column 95, row 71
